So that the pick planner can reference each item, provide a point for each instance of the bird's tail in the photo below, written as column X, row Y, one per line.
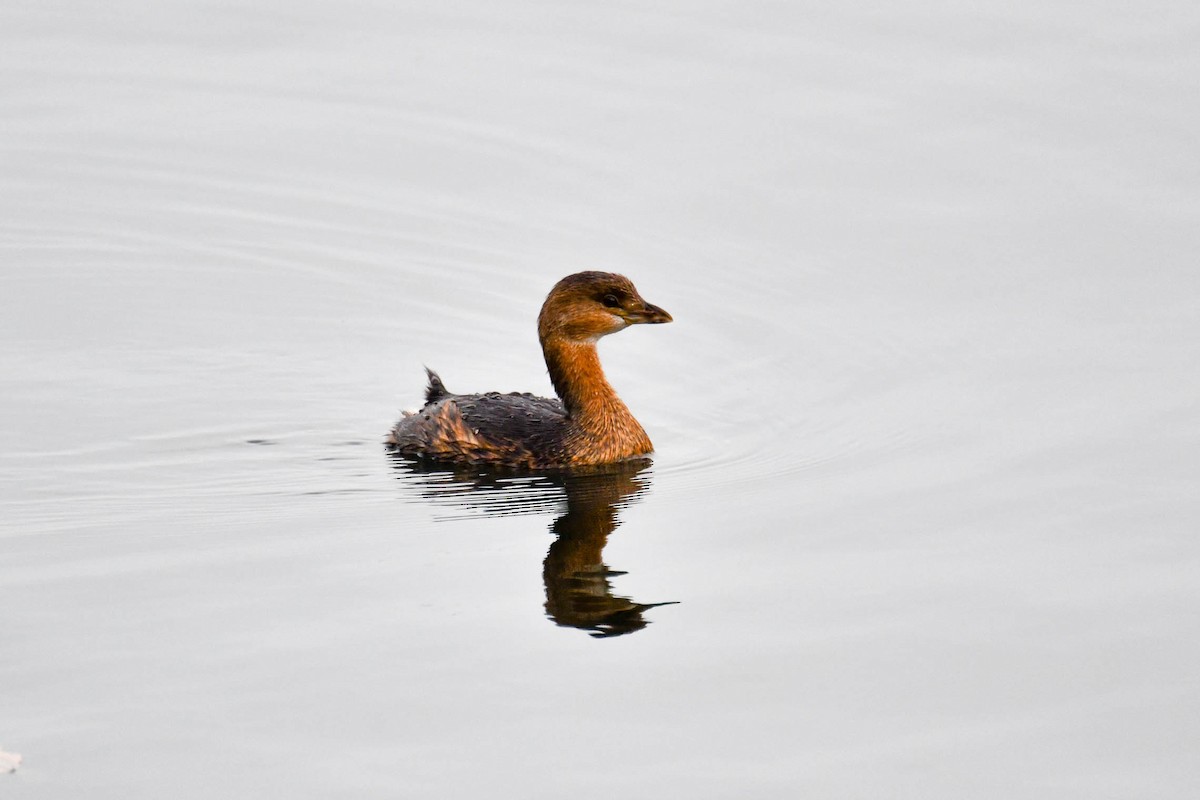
column 436, row 390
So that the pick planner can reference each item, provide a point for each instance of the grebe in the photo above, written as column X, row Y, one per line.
column 587, row 425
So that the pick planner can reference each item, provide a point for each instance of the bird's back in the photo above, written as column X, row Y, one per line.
column 516, row 429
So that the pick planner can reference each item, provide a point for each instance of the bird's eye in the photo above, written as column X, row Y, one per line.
column 611, row 300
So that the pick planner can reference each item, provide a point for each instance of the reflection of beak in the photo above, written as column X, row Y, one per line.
column 648, row 314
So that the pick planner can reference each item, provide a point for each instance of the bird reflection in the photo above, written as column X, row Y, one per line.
column 579, row 593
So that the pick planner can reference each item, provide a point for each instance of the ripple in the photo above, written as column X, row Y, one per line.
column 473, row 492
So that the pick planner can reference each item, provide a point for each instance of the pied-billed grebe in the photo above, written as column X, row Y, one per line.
column 587, row 425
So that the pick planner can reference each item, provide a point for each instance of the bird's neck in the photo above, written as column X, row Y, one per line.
column 579, row 382
column 607, row 430
column 578, row 378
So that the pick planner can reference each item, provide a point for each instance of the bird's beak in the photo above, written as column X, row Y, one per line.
column 648, row 314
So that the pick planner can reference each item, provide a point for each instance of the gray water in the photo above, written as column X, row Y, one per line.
column 927, row 422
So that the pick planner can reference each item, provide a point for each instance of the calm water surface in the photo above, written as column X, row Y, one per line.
column 922, row 517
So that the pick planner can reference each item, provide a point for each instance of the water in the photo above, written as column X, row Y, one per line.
column 923, row 503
